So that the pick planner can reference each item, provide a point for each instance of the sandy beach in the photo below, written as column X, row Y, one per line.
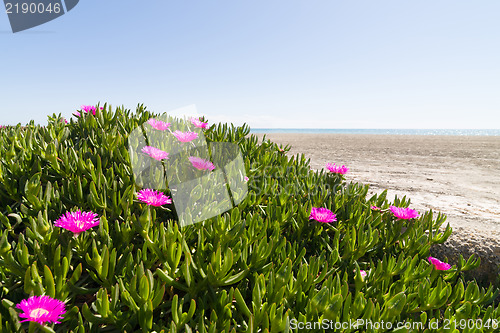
column 456, row 175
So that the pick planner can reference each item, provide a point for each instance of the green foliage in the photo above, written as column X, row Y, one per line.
column 255, row 268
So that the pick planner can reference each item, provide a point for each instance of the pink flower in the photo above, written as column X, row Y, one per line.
column 198, row 123
column 322, row 215
column 404, row 213
column 158, row 124
column 153, row 198
column 201, row 164
column 246, row 179
column 438, row 264
column 77, row 221
column 337, row 168
column 362, row 272
column 41, row 309
column 87, row 109
column 375, row 208
column 155, row 153
column 185, row 136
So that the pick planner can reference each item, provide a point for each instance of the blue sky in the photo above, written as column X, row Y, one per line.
column 270, row 63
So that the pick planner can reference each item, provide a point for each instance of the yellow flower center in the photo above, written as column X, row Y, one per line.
column 80, row 224
column 38, row 312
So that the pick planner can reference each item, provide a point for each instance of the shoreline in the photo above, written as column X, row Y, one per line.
column 456, row 175
column 384, row 131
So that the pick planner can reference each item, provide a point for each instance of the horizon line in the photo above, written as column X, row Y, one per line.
column 374, row 128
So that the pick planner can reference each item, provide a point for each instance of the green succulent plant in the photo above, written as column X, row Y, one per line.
column 256, row 268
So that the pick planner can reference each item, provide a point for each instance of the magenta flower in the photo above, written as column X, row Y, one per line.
column 404, row 213
column 337, row 168
column 201, row 164
column 322, row 215
column 438, row 264
column 246, row 179
column 361, row 272
column 77, row 221
column 375, row 208
column 153, row 198
column 198, row 123
column 158, row 124
column 155, row 153
column 41, row 309
column 185, row 136
column 87, row 109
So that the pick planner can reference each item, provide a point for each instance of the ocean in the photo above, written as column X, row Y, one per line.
column 460, row 132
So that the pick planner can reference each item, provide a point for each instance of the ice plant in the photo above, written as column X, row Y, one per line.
column 375, row 208
column 322, row 215
column 246, row 179
column 77, row 221
column 87, row 109
column 155, row 153
column 438, row 264
column 361, row 272
column 201, row 164
column 153, row 198
column 404, row 213
column 41, row 309
column 337, row 168
column 198, row 123
column 185, row 136
column 158, row 124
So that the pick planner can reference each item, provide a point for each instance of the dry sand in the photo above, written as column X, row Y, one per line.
column 455, row 175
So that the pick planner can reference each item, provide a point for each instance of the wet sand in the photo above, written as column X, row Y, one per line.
column 455, row 175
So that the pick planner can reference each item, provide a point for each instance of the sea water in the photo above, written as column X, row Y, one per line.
column 461, row 132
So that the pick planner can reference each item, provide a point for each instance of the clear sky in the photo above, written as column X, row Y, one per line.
column 270, row 63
